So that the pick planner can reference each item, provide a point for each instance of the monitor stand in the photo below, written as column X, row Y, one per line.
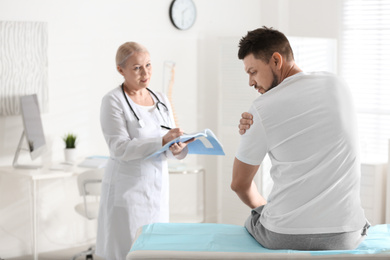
column 16, row 157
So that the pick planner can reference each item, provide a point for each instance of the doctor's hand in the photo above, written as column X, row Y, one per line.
column 245, row 122
column 171, row 134
column 176, row 148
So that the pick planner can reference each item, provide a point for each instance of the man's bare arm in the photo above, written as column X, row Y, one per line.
column 243, row 185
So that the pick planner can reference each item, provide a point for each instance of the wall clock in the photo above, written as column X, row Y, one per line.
column 182, row 14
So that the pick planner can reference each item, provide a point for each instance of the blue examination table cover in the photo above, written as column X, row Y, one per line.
column 210, row 237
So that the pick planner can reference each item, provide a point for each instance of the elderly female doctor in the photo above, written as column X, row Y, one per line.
column 135, row 189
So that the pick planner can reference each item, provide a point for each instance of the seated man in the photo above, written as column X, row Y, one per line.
column 306, row 124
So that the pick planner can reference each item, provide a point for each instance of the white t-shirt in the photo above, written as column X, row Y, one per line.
column 307, row 126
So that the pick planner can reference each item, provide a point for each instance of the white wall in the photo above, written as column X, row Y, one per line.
column 304, row 18
column 83, row 38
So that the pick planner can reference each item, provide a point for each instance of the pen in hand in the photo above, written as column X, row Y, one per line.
column 165, row 127
column 168, row 128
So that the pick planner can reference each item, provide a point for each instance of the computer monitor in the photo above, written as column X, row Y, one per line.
column 33, row 130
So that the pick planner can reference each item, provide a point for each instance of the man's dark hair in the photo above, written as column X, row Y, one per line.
column 264, row 42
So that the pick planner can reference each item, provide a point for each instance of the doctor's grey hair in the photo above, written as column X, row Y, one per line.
column 126, row 50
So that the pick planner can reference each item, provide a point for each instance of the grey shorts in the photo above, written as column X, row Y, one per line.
column 328, row 241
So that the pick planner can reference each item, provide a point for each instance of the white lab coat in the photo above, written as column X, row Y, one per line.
column 134, row 190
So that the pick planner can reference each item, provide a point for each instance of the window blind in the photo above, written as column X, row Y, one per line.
column 365, row 65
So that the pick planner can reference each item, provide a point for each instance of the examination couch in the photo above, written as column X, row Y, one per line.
column 221, row 241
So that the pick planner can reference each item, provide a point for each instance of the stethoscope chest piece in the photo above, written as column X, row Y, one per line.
column 141, row 123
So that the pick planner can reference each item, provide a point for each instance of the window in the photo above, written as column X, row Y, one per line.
column 365, row 65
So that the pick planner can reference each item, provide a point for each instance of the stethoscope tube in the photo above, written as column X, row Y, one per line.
column 135, row 114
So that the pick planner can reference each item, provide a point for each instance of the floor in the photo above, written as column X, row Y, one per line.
column 66, row 254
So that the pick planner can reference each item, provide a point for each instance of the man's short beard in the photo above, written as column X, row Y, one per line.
column 274, row 81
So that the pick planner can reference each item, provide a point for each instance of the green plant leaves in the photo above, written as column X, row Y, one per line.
column 70, row 140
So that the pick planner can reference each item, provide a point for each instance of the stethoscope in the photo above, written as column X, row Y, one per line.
column 158, row 103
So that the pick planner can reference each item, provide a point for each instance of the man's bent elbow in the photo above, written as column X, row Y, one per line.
column 233, row 187
column 237, row 187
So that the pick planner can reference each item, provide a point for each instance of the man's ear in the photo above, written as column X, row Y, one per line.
column 277, row 60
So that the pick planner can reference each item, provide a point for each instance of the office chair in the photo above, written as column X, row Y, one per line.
column 89, row 185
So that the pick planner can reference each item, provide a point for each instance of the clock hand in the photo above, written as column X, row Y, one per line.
column 182, row 16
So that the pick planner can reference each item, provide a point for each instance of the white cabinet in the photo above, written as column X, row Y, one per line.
column 186, row 196
column 373, row 192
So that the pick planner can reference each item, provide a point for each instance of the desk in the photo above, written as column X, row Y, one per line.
column 35, row 175
column 194, row 170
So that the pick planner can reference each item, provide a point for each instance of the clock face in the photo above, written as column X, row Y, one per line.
column 182, row 14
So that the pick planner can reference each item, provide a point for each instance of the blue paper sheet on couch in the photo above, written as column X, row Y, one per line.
column 232, row 238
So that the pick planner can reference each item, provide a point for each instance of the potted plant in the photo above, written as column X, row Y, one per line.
column 70, row 147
